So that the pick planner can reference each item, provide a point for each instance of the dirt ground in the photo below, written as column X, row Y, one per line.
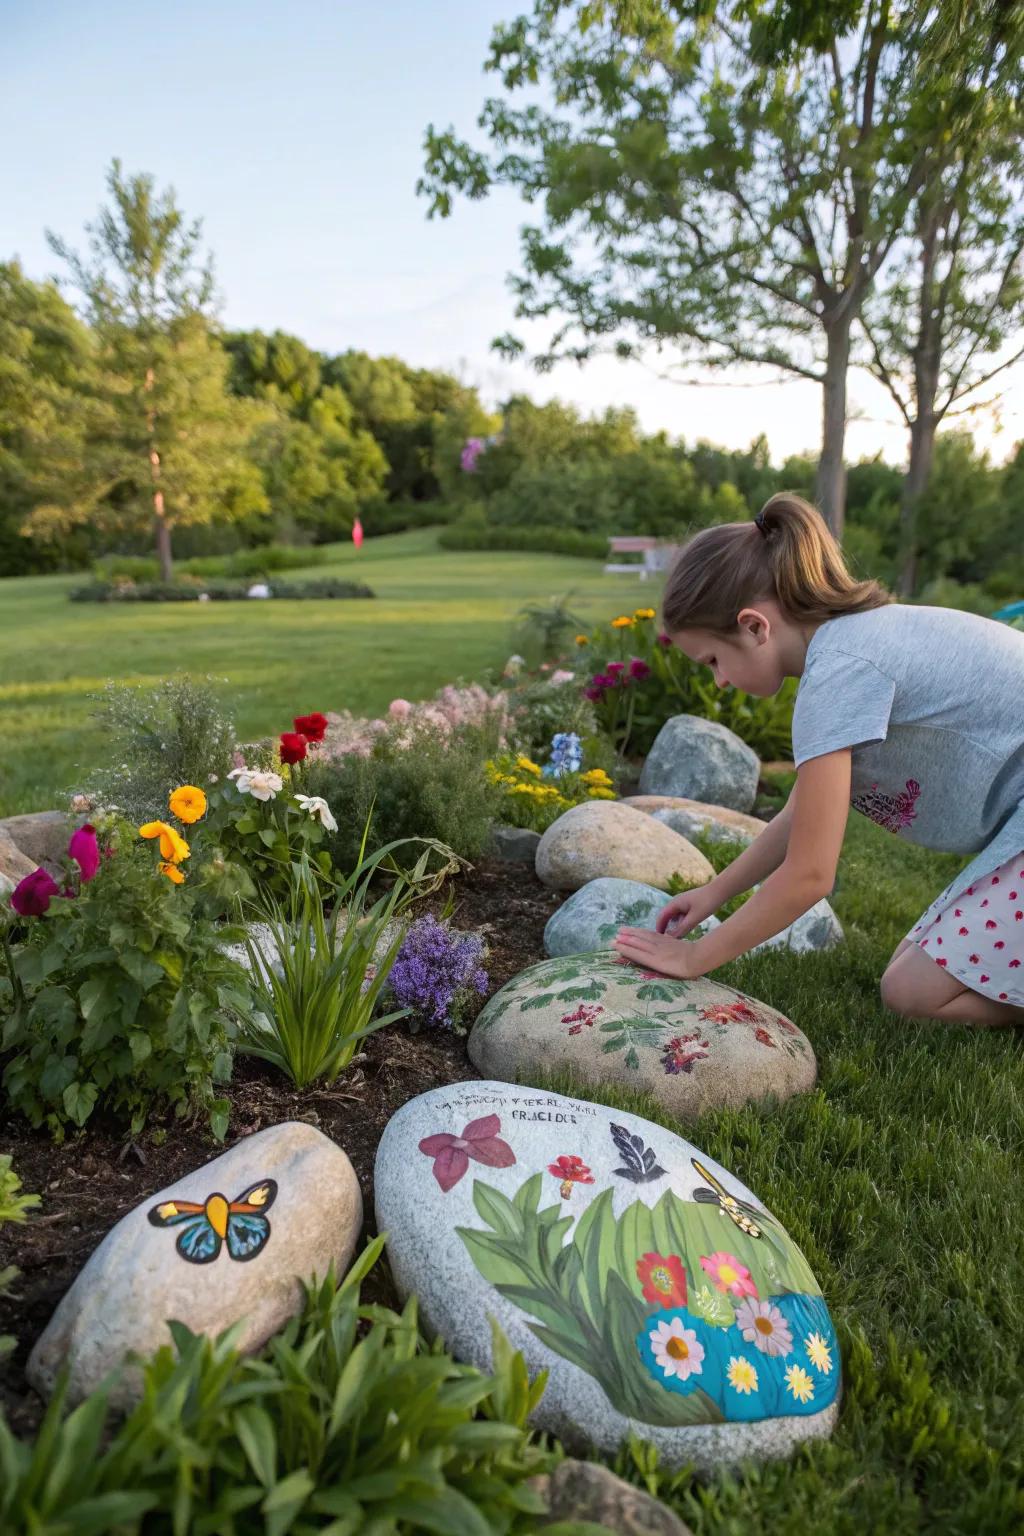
column 92, row 1180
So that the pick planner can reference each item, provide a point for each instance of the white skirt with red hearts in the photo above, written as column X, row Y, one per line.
column 977, row 935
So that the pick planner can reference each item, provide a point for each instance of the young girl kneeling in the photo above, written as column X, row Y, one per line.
column 913, row 715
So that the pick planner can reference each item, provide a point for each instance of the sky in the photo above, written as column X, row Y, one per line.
column 295, row 131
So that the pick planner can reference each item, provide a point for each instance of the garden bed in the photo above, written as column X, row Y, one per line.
column 90, row 1182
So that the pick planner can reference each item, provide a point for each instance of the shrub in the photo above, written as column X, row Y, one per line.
column 191, row 589
column 639, row 680
column 543, row 705
column 261, row 561
column 419, row 779
column 14, row 1207
column 128, row 568
column 381, row 517
column 436, row 972
column 158, row 738
column 117, row 997
column 346, row 1421
column 544, row 540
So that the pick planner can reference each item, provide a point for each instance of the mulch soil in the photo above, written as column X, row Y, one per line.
column 93, row 1179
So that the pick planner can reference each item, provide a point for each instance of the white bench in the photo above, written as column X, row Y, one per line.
column 656, row 557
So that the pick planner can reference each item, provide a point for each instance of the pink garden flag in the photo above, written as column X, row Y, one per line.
column 357, row 534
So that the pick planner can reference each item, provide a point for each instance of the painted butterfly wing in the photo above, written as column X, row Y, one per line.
column 246, row 1235
column 639, row 1162
column 171, row 1213
column 199, row 1243
column 257, row 1198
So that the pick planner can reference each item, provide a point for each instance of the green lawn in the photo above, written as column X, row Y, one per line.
column 438, row 615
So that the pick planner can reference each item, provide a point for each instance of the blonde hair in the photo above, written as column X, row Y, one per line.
column 786, row 553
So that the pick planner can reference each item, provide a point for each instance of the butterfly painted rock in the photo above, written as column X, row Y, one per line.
column 746, row 1216
column 241, row 1223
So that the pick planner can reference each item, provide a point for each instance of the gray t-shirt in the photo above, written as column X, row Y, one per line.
column 932, row 702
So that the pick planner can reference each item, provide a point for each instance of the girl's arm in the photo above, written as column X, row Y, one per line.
column 817, row 814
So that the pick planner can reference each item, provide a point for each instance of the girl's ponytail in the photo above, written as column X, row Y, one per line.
column 787, row 553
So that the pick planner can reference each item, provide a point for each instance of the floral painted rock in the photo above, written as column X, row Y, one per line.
column 697, row 759
column 694, row 1045
column 233, row 1240
column 591, row 917
column 658, row 1292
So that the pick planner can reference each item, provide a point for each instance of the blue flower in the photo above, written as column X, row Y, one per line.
column 566, row 755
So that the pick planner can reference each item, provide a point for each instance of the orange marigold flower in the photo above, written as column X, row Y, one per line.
column 188, row 803
column 173, row 847
column 173, row 873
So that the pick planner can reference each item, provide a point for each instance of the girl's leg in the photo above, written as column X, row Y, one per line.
column 915, row 986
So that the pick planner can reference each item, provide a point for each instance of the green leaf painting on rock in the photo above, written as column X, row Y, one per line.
column 681, row 1317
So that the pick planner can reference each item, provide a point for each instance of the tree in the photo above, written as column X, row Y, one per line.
column 959, row 270
column 319, row 472
column 279, row 369
column 166, row 441
column 722, row 176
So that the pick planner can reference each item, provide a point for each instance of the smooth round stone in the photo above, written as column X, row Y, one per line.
column 513, row 845
column 604, row 838
column 590, row 918
column 662, row 1297
column 694, row 1045
column 699, row 759
column 817, row 928
column 41, row 836
column 691, row 818
column 211, row 1267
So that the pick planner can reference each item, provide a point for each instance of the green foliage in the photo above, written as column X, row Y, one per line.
column 194, row 589
column 119, row 1001
column 544, row 631
column 417, row 782
column 264, row 840
column 632, row 702
column 314, row 1005
column 538, row 708
column 468, row 533
column 157, row 739
column 14, row 1207
column 528, row 800
column 347, row 1422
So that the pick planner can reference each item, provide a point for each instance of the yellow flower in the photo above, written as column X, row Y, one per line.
column 527, row 766
column 188, row 803
column 742, row 1375
column 521, row 789
column 598, row 793
column 582, row 640
column 643, row 613
column 173, row 846
column 596, row 776
column 173, row 873
column 818, row 1353
column 622, row 622
column 799, row 1383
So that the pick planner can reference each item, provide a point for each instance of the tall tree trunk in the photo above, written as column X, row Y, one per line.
column 161, row 527
column 915, row 483
column 830, row 486
column 927, row 355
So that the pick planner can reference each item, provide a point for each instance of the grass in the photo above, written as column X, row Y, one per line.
column 438, row 615
column 899, row 1177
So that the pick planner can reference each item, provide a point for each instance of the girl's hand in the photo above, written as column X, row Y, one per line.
column 658, row 952
column 688, row 909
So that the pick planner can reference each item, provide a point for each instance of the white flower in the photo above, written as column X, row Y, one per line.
column 316, row 805
column 262, row 786
column 676, row 1349
column 258, row 589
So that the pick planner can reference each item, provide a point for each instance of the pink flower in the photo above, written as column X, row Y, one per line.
column 479, row 1141
column 615, row 667
column 764, row 1326
column 727, row 1274
column 85, row 850
column 32, row 896
column 398, row 709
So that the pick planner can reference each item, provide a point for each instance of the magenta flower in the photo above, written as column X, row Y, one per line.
column 32, row 896
column 85, row 850
column 638, row 669
column 614, row 668
column 480, row 1141
column 665, row 640
column 474, row 447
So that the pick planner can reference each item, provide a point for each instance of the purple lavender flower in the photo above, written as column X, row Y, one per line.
column 435, row 970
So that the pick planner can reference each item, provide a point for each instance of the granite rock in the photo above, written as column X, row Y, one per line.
column 658, row 1292
column 590, row 918
column 514, row 845
column 697, row 759
column 604, row 838
column 691, row 818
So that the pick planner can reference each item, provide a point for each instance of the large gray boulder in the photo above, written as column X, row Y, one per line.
column 701, row 760
column 604, row 838
column 590, row 918
column 41, row 836
column 662, row 1297
column 209, row 1269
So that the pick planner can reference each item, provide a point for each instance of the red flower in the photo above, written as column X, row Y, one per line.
column 764, row 1037
column 663, row 1279
column 638, row 670
column 313, row 726
column 480, row 1141
column 571, row 1170
column 33, row 895
column 731, row 1013
column 293, row 747
column 85, row 850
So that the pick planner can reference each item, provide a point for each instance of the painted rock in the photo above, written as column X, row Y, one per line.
column 691, row 818
column 817, row 928
column 232, row 1240
column 658, row 1292
column 694, row 1045
column 701, row 760
column 603, row 838
column 590, row 918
